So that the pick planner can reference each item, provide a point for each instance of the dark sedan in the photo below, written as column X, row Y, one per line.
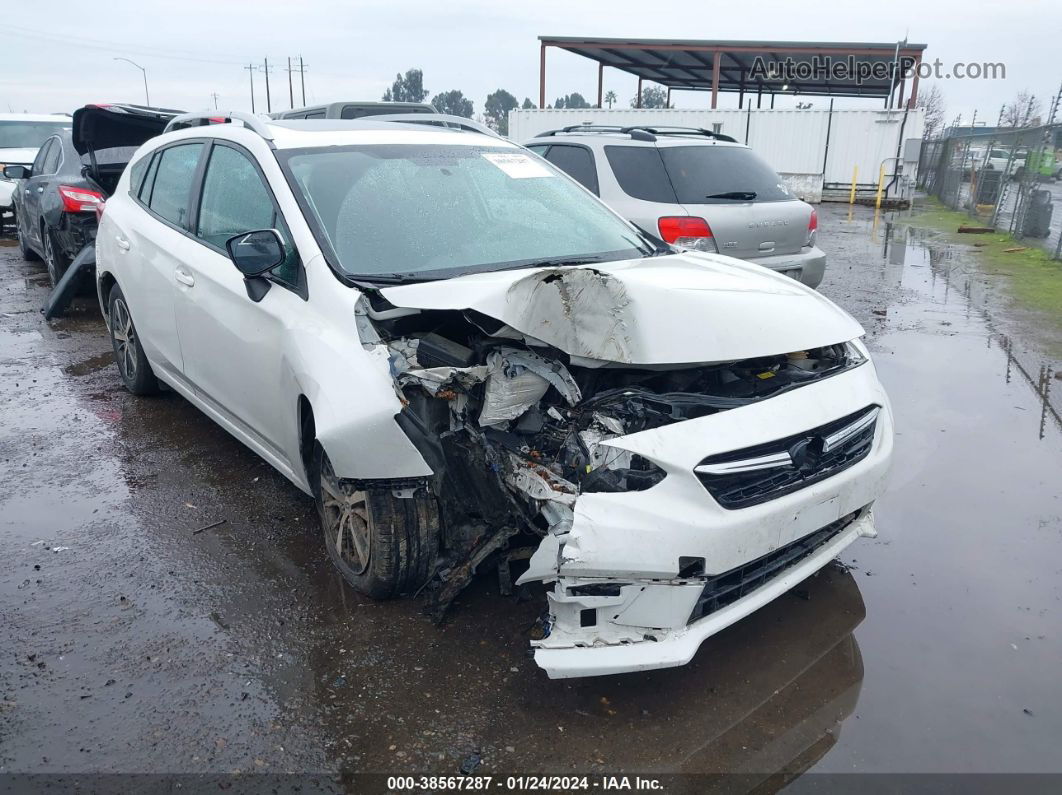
column 56, row 199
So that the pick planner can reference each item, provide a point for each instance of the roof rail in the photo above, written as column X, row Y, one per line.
column 203, row 118
column 459, row 123
column 669, row 129
column 637, row 133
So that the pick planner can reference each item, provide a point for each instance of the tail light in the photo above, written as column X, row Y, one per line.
column 813, row 226
column 100, row 206
column 79, row 200
column 687, row 231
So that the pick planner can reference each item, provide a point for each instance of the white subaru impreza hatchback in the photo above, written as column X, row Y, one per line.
column 469, row 360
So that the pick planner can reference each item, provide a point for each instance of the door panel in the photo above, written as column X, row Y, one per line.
column 233, row 347
column 32, row 189
column 153, row 245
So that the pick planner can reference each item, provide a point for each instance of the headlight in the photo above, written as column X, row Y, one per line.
column 856, row 352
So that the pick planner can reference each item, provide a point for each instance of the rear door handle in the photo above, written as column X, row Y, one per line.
column 184, row 277
column 123, row 244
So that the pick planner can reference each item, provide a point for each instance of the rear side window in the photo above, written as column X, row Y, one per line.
column 42, row 155
column 173, row 182
column 51, row 161
column 317, row 114
column 640, row 173
column 701, row 172
column 577, row 162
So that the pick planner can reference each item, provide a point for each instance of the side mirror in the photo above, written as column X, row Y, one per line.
column 255, row 253
column 16, row 172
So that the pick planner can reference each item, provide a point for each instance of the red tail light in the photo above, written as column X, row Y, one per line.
column 813, row 225
column 99, row 210
column 79, row 200
column 686, row 231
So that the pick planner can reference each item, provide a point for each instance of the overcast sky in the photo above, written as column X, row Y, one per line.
column 59, row 55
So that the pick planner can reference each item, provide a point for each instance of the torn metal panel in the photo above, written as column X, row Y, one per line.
column 683, row 308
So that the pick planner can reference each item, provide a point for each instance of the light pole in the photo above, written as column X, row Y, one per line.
column 147, row 98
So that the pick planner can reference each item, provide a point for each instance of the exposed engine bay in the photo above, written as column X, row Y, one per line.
column 516, row 430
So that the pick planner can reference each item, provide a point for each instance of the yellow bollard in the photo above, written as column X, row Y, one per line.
column 851, row 196
column 881, row 184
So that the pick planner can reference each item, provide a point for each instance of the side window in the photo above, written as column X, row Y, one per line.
column 51, row 161
column 236, row 200
column 42, row 155
column 317, row 114
column 578, row 162
column 640, row 173
column 136, row 174
column 539, row 149
column 173, row 182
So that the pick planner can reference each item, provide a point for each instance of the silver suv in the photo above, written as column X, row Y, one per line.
column 694, row 188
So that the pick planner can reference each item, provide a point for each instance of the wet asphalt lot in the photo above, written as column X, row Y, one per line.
column 130, row 643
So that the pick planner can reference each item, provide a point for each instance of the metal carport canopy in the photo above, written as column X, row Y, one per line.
column 715, row 65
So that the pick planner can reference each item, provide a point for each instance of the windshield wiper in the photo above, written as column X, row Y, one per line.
column 740, row 195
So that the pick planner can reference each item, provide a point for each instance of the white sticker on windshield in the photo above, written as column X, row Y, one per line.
column 518, row 166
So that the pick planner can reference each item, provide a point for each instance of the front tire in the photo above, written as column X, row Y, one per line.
column 128, row 353
column 383, row 545
column 28, row 253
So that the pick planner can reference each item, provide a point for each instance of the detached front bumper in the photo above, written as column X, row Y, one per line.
column 638, row 572
column 675, row 648
column 807, row 266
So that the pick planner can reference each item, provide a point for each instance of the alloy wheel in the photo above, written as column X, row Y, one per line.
column 345, row 520
column 49, row 258
column 125, row 343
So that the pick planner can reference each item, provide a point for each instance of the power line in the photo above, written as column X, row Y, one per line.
column 110, row 46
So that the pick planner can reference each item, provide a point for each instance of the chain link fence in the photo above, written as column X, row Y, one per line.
column 1009, row 180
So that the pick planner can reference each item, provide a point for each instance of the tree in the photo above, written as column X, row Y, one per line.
column 497, row 108
column 1022, row 111
column 407, row 88
column 610, row 97
column 574, row 101
column 528, row 104
column 931, row 101
column 453, row 102
column 652, row 97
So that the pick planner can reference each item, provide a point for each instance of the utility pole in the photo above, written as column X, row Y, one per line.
column 250, row 71
column 302, row 80
column 269, row 100
column 215, row 96
column 291, row 91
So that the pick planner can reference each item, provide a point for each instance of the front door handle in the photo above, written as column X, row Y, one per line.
column 123, row 244
column 184, row 277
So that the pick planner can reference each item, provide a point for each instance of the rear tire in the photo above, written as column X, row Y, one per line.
column 128, row 353
column 384, row 546
column 54, row 258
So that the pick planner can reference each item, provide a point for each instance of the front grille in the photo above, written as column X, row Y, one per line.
column 757, row 474
column 724, row 589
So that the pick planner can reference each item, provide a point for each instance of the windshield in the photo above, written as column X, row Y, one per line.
column 28, row 134
column 408, row 212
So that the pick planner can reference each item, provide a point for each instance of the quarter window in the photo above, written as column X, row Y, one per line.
column 173, row 182
column 640, row 173
column 236, row 200
column 136, row 174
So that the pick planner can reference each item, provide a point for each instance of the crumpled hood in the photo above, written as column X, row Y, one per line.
column 675, row 309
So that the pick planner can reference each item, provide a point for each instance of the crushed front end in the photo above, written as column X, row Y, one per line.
column 662, row 501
